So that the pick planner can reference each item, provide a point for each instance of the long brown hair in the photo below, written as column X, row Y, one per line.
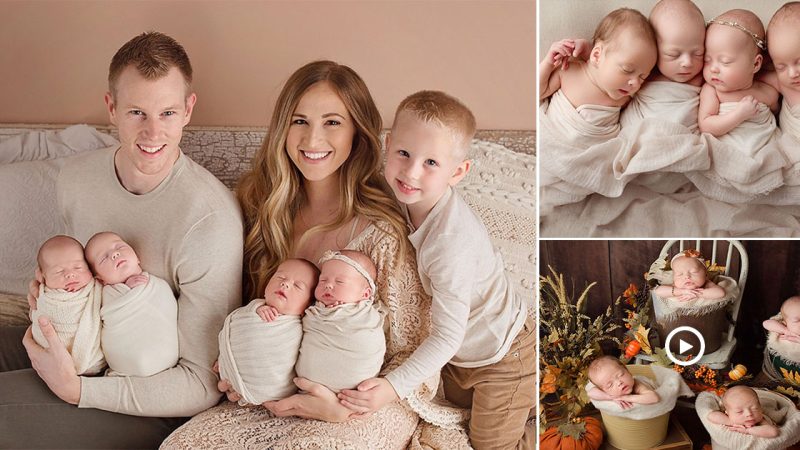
column 271, row 192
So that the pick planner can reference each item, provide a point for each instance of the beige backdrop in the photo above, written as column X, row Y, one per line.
column 54, row 55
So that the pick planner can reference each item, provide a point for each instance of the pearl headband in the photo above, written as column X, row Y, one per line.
column 760, row 43
column 329, row 255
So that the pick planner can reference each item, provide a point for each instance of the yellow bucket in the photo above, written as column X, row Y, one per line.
column 629, row 434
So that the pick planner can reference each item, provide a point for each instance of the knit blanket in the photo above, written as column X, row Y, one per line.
column 140, row 328
column 258, row 357
column 76, row 318
column 778, row 408
column 342, row 346
column 668, row 384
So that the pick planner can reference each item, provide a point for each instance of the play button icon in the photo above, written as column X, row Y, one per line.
column 684, row 348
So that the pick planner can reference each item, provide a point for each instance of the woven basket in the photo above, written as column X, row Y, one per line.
column 629, row 434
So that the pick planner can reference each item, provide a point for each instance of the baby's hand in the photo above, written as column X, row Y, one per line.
column 791, row 337
column 747, row 107
column 738, row 428
column 560, row 52
column 267, row 313
column 136, row 280
column 624, row 404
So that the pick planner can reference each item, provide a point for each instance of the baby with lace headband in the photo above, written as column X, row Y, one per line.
column 689, row 279
column 343, row 339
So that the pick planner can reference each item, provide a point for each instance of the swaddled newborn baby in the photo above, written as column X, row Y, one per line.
column 612, row 381
column 343, row 339
column 259, row 343
column 743, row 413
column 70, row 298
column 139, row 313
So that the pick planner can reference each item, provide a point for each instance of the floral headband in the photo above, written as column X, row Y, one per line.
column 760, row 43
column 330, row 254
column 689, row 253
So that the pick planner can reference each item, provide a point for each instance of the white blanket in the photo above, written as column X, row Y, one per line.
column 669, row 385
column 258, row 357
column 667, row 101
column 140, row 328
column 342, row 346
column 778, row 408
column 76, row 318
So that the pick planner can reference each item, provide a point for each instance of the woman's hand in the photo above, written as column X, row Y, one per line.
column 369, row 396
column 53, row 364
column 224, row 386
column 317, row 402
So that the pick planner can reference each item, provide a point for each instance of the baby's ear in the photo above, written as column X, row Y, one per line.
column 597, row 50
column 758, row 62
column 367, row 292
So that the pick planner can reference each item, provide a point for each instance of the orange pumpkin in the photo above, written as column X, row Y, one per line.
column 584, row 435
column 632, row 349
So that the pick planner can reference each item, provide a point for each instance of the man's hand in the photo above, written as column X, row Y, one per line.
column 53, row 364
column 224, row 386
column 318, row 402
column 369, row 396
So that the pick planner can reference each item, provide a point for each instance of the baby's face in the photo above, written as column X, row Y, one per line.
column 289, row 290
column 784, row 49
column 743, row 408
column 688, row 273
column 729, row 62
column 680, row 50
column 613, row 379
column 112, row 259
column 791, row 317
column 623, row 64
column 65, row 268
column 339, row 282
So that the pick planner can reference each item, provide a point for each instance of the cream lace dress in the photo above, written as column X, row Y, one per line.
column 395, row 426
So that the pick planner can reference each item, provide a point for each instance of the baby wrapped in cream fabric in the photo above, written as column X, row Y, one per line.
column 140, row 328
column 76, row 319
column 778, row 408
column 669, row 385
column 257, row 356
column 342, row 345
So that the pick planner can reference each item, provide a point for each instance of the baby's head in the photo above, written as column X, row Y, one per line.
column 623, row 53
column 688, row 272
column 112, row 260
column 291, row 287
column 742, row 406
column 734, row 42
column 611, row 376
column 346, row 276
column 790, row 311
column 62, row 264
column 681, row 32
column 783, row 36
column 427, row 148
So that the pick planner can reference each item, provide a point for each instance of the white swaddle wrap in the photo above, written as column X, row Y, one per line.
column 666, row 101
column 789, row 121
column 343, row 345
column 669, row 385
column 258, row 357
column 779, row 409
column 140, row 328
column 76, row 318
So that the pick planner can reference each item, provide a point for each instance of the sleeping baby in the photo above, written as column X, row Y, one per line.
column 743, row 413
column 786, row 325
column 259, row 342
column 70, row 298
column 612, row 381
column 343, row 338
column 689, row 280
column 139, row 313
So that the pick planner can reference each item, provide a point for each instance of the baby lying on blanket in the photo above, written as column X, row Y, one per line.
column 70, row 298
column 782, row 352
column 139, row 313
column 743, row 413
column 689, row 280
column 612, row 381
column 259, row 342
column 786, row 325
column 343, row 338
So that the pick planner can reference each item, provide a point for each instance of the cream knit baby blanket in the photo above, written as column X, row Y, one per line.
column 140, row 328
column 342, row 346
column 258, row 357
column 76, row 319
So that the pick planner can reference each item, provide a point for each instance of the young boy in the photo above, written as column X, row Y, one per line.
column 480, row 337
column 612, row 381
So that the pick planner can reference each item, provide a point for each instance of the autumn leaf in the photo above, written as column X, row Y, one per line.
column 641, row 337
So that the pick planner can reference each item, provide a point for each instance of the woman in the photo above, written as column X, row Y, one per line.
column 315, row 186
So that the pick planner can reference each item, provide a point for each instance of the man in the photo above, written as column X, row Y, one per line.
column 187, row 229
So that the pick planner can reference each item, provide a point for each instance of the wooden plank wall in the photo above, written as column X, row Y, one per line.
column 774, row 275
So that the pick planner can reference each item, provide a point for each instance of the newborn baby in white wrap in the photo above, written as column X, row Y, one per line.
column 259, row 343
column 139, row 313
column 343, row 338
column 70, row 298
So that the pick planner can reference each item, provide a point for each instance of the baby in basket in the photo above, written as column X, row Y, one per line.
column 689, row 280
column 139, row 311
column 614, row 382
column 787, row 323
column 743, row 413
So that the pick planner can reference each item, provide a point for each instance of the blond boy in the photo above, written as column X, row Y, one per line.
column 480, row 338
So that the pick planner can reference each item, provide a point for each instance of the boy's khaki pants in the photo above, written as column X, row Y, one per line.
column 501, row 395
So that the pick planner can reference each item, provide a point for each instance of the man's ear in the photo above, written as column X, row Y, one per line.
column 758, row 62
column 190, row 101
column 111, row 107
column 461, row 171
